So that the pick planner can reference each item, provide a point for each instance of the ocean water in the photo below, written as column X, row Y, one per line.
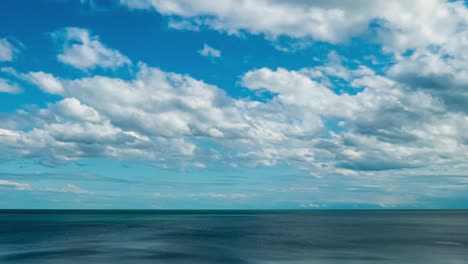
column 317, row 237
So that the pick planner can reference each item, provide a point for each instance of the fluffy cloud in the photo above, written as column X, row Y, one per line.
column 7, row 50
column 161, row 104
column 441, row 73
column 266, row 17
column 209, row 51
column 389, row 125
column 158, row 116
column 84, row 51
column 153, row 117
column 402, row 24
column 74, row 109
column 45, row 81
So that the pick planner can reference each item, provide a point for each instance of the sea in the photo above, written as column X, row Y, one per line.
column 316, row 237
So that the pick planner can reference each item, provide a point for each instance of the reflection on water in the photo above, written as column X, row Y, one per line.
column 330, row 237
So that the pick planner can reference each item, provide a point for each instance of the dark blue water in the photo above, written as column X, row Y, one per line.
column 320, row 237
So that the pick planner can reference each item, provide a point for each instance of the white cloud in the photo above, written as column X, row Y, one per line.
column 405, row 119
column 16, row 185
column 57, row 143
column 7, row 50
column 73, row 108
column 45, row 81
column 84, row 51
column 387, row 126
column 441, row 73
column 403, row 24
column 152, row 118
column 266, row 17
column 161, row 104
column 159, row 116
column 209, row 51
column 9, row 87
column 293, row 88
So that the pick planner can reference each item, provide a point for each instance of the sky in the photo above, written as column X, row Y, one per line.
column 233, row 104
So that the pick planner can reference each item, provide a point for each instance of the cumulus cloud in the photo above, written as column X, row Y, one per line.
column 153, row 117
column 47, row 82
column 161, row 104
column 7, row 50
column 386, row 126
column 441, row 73
column 74, row 109
column 209, row 51
column 58, row 143
column 84, row 51
column 160, row 117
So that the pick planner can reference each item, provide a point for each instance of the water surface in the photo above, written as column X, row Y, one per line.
column 322, row 237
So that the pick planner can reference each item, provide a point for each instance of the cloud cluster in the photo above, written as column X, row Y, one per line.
column 154, row 117
column 386, row 126
column 168, row 118
column 411, row 115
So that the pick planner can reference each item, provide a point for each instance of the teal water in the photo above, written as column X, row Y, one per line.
column 322, row 237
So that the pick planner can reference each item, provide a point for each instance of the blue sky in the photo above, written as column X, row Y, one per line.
column 233, row 104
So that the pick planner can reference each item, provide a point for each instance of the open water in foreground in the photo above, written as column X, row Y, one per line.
column 317, row 237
